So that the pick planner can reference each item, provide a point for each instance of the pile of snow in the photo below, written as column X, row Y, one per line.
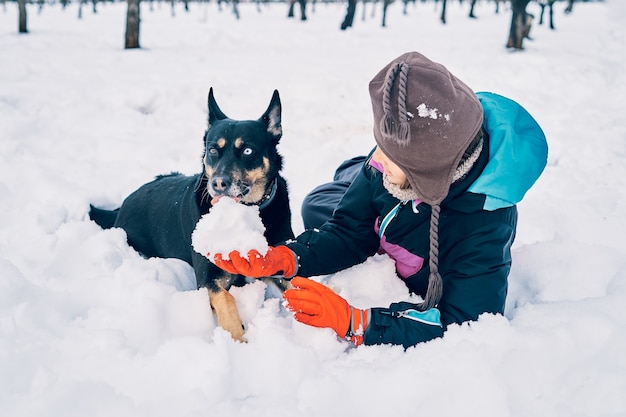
column 227, row 227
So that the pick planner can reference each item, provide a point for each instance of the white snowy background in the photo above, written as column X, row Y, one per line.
column 89, row 328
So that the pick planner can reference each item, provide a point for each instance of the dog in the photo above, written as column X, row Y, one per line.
column 241, row 161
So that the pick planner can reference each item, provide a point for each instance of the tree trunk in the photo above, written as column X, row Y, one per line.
column 347, row 21
column 132, row 24
column 443, row 12
column 386, row 4
column 22, row 28
column 471, row 13
column 520, row 24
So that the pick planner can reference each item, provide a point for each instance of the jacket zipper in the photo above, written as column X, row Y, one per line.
column 389, row 217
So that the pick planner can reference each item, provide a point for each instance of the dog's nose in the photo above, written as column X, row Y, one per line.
column 220, row 183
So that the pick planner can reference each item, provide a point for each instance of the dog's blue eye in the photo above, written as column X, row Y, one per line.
column 247, row 151
column 212, row 151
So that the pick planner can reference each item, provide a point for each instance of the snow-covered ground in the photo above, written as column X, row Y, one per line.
column 89, row 328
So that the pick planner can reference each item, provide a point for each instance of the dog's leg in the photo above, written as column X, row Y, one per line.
column 227, row 314
column 280, row 284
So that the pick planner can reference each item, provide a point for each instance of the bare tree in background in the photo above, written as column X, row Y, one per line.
column 351, row 10
column 520, row 24
column 132, row 24
column 292, row 4
column 22, row 16
column 349, row 19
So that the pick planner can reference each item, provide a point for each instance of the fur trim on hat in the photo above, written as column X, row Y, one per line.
column 404, row 193
column 399, row 192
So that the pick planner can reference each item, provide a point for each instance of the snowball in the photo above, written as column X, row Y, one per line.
column 229, row 226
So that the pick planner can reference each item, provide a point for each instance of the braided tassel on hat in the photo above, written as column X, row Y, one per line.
column 401, row 131
column 435, row 282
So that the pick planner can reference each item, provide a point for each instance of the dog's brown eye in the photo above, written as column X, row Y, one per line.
column 212, row 151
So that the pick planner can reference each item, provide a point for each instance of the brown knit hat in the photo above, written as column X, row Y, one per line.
column 424, row 120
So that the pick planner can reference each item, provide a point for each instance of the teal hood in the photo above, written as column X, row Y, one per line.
column 518, row 152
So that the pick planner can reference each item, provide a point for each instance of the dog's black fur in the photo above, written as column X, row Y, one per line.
column 241, row 161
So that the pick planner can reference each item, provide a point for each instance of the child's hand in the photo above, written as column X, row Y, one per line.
column 277, row 259
column 317, row 305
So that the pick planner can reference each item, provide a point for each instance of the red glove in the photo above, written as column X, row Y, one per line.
column 279, row 258
column 317, row 305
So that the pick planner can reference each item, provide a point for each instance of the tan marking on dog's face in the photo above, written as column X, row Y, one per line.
column 259, row 174
column 207, row 168
column 227, row 313
column 221, row 142
column 258, row 178
column 238, row 143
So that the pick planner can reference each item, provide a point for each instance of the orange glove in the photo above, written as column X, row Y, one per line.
column 277, row 259
column 317, row 305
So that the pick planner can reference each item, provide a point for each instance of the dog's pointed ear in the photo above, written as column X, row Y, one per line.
column 272, row 118
column 215, row 113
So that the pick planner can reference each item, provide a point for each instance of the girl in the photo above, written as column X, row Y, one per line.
column 438, row 194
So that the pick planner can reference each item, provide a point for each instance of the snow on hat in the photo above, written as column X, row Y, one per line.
column 424, row 120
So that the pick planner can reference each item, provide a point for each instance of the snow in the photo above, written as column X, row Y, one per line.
column 88, row 327
column 227, row 227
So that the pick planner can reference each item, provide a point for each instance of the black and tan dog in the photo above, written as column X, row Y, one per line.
column 240, row 161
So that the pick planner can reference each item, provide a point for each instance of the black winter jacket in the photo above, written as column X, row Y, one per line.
column 477, row 227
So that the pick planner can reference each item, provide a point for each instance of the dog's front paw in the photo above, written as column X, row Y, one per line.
column 235, row 329
column 223, row 303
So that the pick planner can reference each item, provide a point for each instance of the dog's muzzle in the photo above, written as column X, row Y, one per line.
column 222, row 187
column 225, row 186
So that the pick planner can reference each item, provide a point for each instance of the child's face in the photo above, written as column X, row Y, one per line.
column 392, row 171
